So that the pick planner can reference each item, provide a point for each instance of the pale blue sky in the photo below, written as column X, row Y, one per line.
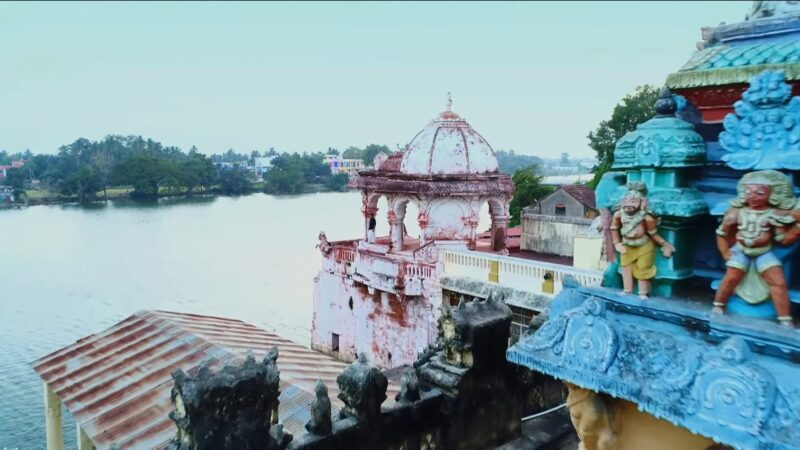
column 534, row 77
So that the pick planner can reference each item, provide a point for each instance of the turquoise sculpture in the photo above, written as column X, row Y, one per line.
column 764, row 133
column 660, row 154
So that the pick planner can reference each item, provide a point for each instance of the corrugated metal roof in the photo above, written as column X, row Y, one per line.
column 117, row 383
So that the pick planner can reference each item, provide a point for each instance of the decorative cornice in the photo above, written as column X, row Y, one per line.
column 764, row 132
column 731, row 379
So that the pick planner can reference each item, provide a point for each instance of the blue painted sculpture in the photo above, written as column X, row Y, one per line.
column 729, row 378
column 764, row 133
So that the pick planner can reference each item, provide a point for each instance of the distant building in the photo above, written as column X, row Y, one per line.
column 14, row 165
column 262, row 164
column 552, row 225
column 340, row 165
column 6, row 194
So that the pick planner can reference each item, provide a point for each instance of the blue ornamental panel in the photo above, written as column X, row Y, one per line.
column 764, row 132
column 731, row 379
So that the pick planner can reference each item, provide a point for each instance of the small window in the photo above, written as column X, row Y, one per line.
column 334, row 342
column 561, row 210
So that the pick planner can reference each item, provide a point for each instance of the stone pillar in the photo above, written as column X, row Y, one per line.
column 499, row 230
column 54, row 424
column 396, row 230
column 471, row 223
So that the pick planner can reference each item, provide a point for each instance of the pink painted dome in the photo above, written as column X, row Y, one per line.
column 448, row 146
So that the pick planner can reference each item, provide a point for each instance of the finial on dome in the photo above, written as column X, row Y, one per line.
column 666, row 104
column 449, row 102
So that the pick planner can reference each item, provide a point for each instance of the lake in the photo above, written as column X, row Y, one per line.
column 69, row 271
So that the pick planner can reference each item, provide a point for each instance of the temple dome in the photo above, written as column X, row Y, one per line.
column 448, row 146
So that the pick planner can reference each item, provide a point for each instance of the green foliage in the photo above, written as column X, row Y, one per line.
column 291, row 173
column 529, row 190
column 145, row 173
column 235, row 182
column 371, row 151
column 352, row 153
column 510, row 162
column 338, row 182
column 634, row 109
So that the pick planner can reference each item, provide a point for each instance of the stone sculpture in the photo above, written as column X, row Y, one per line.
column 763, row 214
column 320, row 422
column 634, row 230
column 324, row 245
column 764, row 133
column 592, row 418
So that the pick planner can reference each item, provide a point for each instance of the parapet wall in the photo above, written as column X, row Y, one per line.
column 551, row 234
column 461, row 395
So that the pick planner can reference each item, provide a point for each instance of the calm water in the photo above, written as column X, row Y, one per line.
column 70, row 271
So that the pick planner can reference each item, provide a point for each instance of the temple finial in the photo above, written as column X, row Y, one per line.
column 449, row 102
column 666, row 104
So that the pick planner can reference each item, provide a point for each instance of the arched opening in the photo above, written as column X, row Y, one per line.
column 375, row 206
column 404, row 226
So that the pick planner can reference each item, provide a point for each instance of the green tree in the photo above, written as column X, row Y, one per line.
column 144, row 173
column 352, row 153
column 634, row 109
column 510, row 162
column 371, row 151
column 235, row 182
column 338, row 182
column 528, row 190
column 287, row 175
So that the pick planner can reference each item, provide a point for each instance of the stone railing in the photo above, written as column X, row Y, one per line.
column 526, row 275
column 344, row 254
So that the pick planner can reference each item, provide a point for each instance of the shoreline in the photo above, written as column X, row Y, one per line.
column 61, row 200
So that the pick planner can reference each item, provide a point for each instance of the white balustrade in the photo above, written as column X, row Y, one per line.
column 523, row 274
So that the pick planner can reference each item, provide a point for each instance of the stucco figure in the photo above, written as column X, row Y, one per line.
column 763, row 214
column 634, row 231
column 593, row 419
column 324, row 245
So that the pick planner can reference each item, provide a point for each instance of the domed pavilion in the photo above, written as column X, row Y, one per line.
column 449, row 171
column 381, row 295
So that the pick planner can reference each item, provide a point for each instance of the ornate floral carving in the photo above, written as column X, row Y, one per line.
column 590, row 342
column 764, row 132
column 732, row 391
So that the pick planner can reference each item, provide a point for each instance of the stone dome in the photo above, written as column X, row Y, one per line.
column 448, row 146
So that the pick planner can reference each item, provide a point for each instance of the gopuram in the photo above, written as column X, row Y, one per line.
column 380, row 295
column 695, row 347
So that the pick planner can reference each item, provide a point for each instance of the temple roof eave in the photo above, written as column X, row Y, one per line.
column 727, row 76
column 675, row 361
column 438, row 185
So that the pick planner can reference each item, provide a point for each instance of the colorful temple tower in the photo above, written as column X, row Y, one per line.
column 381, row 295
column 671, row 372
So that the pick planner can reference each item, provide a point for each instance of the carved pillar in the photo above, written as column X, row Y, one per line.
column 499, row 230
column 396, row 230
column 471, row 223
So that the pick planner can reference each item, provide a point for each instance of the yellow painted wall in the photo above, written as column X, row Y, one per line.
column 588, row 252
column 642, row 431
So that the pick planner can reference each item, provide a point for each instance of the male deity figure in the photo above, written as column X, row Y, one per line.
column 759, row 217
column 634, row 231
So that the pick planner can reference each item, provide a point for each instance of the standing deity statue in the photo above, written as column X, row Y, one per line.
column 763, row 214
column 634, row 231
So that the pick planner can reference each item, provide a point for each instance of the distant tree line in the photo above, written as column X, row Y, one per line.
column 510, row 162
column 86, row 169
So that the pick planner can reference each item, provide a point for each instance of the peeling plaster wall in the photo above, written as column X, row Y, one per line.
column 551, row 234
column 390, row 329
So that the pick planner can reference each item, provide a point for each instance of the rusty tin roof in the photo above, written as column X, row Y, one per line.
column 117, row 383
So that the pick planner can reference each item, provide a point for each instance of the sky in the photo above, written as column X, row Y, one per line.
column 534, row 77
